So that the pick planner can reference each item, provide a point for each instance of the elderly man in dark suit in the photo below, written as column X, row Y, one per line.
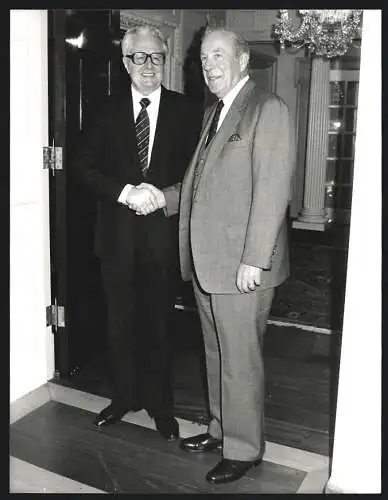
column 233, row 245
column 144, row 132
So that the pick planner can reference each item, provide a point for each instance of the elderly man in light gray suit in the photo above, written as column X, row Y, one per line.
column 233, row 245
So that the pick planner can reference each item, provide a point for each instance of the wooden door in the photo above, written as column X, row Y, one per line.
column 84, row 65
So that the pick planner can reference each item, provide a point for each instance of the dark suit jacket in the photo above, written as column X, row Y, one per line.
column 107, row 160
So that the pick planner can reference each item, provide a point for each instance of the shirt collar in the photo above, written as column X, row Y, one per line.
column 230, row 96
column 155, row 95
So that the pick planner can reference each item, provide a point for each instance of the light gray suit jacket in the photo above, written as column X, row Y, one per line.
column 235, row 193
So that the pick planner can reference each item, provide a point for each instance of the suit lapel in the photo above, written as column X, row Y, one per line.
column 226, row 129
column 126, row 125
column 207, row 119
column 188, row 180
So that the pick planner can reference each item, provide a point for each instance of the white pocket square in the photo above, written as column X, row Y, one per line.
column 234, row 138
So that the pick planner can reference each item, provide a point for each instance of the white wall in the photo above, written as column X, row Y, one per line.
column 356, row 465
column 31, row 342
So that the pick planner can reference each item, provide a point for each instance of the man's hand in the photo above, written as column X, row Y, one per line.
column 142, row 200
column 248, row 277
column 157, row 194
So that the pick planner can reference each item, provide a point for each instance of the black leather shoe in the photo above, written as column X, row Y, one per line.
column 168, row 427
column 227, row 471
column 111, row 415
column 201, row 443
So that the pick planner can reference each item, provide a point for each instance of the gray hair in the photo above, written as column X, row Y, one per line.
column 240, row 44
column 143, row 29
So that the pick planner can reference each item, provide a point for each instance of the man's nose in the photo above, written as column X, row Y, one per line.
column 208, row 65
column 148, row 63
column 205, row 65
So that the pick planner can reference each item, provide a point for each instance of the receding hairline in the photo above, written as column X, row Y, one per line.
column 143, row 29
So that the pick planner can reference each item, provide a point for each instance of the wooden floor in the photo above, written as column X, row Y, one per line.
column 128, row 458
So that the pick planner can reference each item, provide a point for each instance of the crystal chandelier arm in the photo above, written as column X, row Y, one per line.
column 285, row 32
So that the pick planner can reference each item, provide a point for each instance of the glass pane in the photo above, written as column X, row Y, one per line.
column 336, row 119
column 330, row 197
column 345, row 172
column 348, row 146
column 352, row 93
column 330, row 170
column 334, row 145
column 337, row 92
column 350, row 121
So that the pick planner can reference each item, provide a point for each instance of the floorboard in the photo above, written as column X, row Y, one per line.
column 127, row 458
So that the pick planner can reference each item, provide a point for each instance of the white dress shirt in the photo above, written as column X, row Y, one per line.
column 229, row 98
column 152, row 110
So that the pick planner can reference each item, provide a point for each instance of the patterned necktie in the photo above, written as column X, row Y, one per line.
column 143, row 135
column 213, row 126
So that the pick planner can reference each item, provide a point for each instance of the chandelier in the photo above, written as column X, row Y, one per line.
column 327, row 33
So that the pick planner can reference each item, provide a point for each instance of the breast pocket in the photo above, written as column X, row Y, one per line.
column 231, row 145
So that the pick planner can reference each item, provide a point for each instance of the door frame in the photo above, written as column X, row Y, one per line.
column 56, row 19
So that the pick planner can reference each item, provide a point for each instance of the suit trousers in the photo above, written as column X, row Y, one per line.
column 233, row 326
column 140, row 299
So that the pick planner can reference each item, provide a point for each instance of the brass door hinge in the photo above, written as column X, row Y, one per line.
column 55, row 316
column 52, row 157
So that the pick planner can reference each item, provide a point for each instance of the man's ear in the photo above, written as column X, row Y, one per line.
column 244, row 59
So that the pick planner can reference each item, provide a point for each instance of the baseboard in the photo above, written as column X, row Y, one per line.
column 300, row 326
column 276, row 321
column 29, row 402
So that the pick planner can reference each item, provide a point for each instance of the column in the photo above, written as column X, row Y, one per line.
column 356, row 461
column 313, row 214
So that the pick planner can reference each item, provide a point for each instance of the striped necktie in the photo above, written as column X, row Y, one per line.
column 213, row 126
column 142, row 127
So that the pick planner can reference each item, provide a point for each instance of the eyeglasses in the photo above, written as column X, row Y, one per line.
column 157, row 58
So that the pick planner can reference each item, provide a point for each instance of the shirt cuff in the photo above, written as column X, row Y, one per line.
column 123, row 195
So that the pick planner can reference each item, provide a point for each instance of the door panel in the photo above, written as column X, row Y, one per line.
column 85, row 62
column 263, row 66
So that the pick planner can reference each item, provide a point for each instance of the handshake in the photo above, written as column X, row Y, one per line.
column 145, row 199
